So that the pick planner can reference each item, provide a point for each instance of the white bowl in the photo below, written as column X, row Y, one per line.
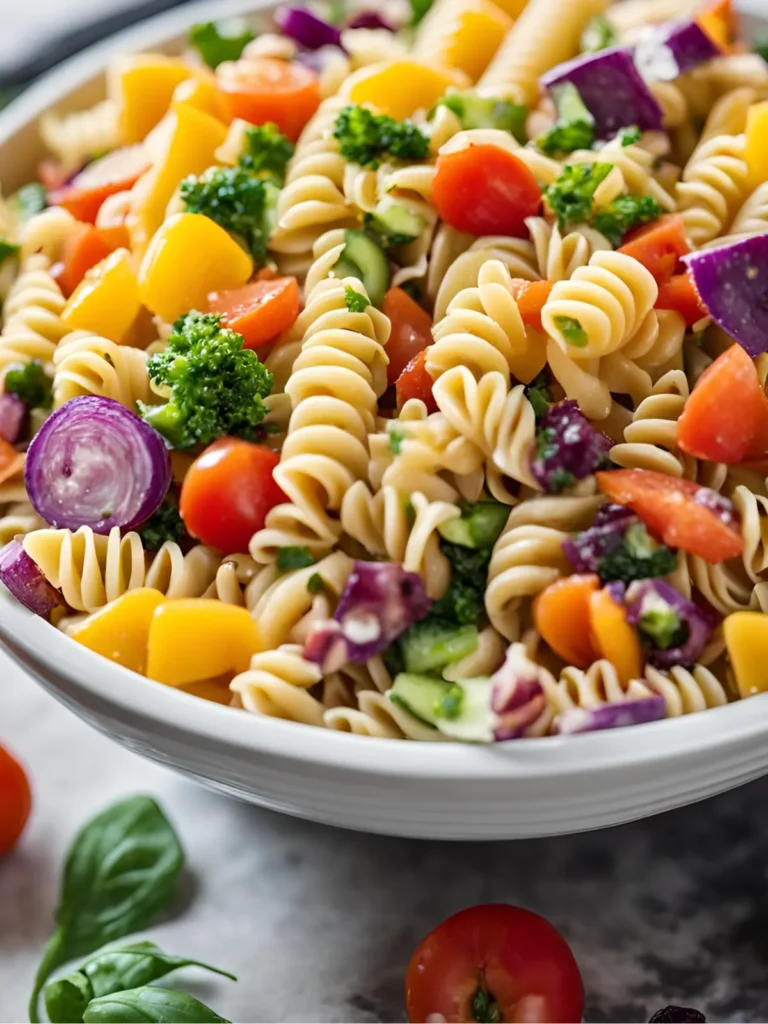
column 448, row 791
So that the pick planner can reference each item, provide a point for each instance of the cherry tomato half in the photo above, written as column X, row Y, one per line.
column 494, row 963
column 228, row 492
column 15, row 801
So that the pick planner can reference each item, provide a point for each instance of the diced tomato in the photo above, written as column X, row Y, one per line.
column 659, row 246
column 265, row 90
column 416, row 382
column 679, row 294
column 260, row 311
column 485, row 190
column 82, row 251
column 680, row 513
column 411, row 331
column 531, row 297
column 116, row 172
column 494, row 963
column 725, row 419
column 15, row 801
column 228, row 492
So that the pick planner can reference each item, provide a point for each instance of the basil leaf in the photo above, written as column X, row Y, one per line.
column 120, row 873
column 120, row 967
column 67, row 998
column 147, row 1005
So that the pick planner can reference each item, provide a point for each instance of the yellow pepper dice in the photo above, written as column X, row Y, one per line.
column 195, row 639
column 190, row 257
column 401, row 88
column 188, row 140
column 107, row 299
column 120, row 631
column 757, row 144
column 476, row 38
column 201, row 94
column 143, row 88
column 614, row 638
column 746, row 637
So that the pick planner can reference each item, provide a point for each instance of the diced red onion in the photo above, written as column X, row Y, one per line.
column 379, row 602
column 517, row 696
column 95, row 463
column 732, row 282
column 669, row 50
column 611, row 716
column 23, row 578
column 306, row 28
column 612, row 90
column 370, row 19
column 698, row 622
column 14, row 417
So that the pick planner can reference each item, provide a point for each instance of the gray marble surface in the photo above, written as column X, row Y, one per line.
column 319, row 924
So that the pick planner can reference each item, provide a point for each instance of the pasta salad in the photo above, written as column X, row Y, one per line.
column 403, row 372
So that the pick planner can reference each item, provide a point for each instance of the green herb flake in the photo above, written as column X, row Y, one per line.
column 572, row 332
column 355, row 301
column 539, row 394
column 215, row 44
column 294, row 557
column 315, row 583
column 29, row 200
column 396, row 438
column 419, row 9
column 629, row 136
column 450, row 706
column 7, row 250
column 663, row 627
column 761, row 47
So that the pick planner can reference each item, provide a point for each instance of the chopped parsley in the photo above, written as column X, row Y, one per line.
column 572, row 331
column 396, row 438
column 315, row 583
column 539, row 394
column 355, row 301
column 215, row 44
column 7, row 249
column 294, row 557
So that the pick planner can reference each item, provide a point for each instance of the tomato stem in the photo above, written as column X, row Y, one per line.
column 485, row 1009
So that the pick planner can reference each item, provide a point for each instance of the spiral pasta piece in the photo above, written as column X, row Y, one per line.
column 753, row 513
column 277, row 685
column 686, row 691
column 17, row 516
column 714, row 186
column 77, row 138
column 33, row 325
column 637, row 167
column 47, row 233
column 650, row 440
column 752, row 218
column 85, row 364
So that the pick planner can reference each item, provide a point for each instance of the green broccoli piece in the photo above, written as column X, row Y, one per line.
column 31, row 383
column 215, row 44
column 598, row 35
column 315, row 583
column 637, row 557
column 575, row 127
column 238, row 201
column 571, row 198
column 294, row 557
column 539, row 394
column 629, row 136
column 7, row 249
column 355, row 301
column 365, row 138
column 663, row 627
column 463, row 602
column 164, row 525
column 267, row 151
column 217, row 388
column 29, row 200
column 625, row 213
column 475, row 111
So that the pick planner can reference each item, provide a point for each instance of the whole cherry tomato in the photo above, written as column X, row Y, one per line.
column 15, row 801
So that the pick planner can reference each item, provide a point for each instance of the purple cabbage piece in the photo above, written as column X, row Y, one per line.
column 380, row 601
column 585, row 550
column 568, row 448
column 517, row 696
column 306, row 28
column 612, row 89
column 669, row 50
column 370, row 19
column 732, row 282
column 14, row 417
column 611, row 716
column 648, row 596
column 26, row 582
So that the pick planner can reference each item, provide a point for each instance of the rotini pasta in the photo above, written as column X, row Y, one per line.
column 85, row 364
column 32, row 316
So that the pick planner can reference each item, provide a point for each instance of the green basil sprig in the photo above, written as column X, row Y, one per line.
column 147, row 1005
column 112, row 970
column 121, row 872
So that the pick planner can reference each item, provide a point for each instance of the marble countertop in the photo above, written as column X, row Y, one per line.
column 319, row 923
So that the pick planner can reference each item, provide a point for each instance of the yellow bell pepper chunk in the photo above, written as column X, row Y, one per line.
column 401, row 87
column 215, row 690
column 757, row 144
column 190, row 257
column 476, row 38
column 201, row 93
column 514, row 8
column 120, row 631
column 746, row 637
column 143, row 87
column 195, row 639
column 107, row 299
column 188, row 141
column 613, row 636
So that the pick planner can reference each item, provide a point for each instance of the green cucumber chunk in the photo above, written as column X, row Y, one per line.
column 362, row 258
column 393, row 224
column 460, row 711
column 429, row 646
column 478, row 527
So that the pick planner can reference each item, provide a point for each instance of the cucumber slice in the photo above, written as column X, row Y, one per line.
column 393, row 224
column 362, row 258
column 461, row 711
column 430, row 646
column 478, row 527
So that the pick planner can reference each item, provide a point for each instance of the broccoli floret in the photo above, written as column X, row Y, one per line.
column 625, row 213
column 475, row 111
column 637, row 557
column 215, row 46
column 267, row 151
column 7, row 249
column 294, row 557
column 216, row 386
column 598, row 35
column 164, row 525
column 463, row 602
column 572, row 195
column 539, row 394
column 355, row 301
column 575, row 128
column 31, row 383
column 238, row 201
column 663, row 627
column 365, row 138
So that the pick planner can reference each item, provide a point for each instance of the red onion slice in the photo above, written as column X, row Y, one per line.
column 95, row 463
column 14, row 417
column 611, row 716
column 306, row 28
column 23, row 578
